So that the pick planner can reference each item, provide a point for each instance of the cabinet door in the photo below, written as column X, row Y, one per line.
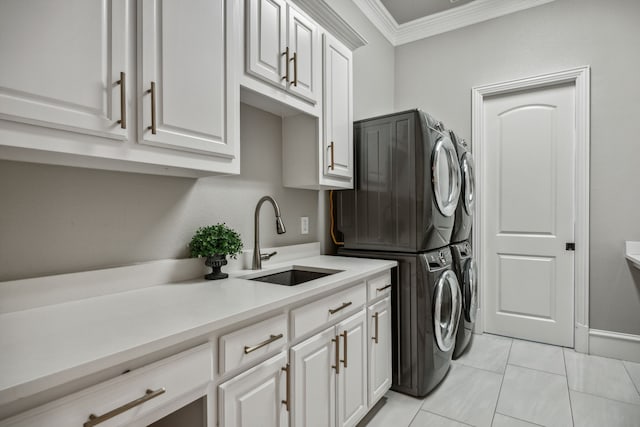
column 379, row 315
column 304, row 47
column 338, row 119
column 61, row 63
column 314, row 381
column 187, row 56
column 267, row 40
column 352, row 379
column 255, row 397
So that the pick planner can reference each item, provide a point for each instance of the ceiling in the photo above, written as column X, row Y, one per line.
column 408, row 10
column 405, row 21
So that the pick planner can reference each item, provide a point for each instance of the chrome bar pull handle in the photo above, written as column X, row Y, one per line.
column 288, row 392
column 94, row 420
column 375, row 318
column 123, row 100
column 342, row 307
column 152, row 91
column 336, row 340
column 286, row 64
column 344, row 337
column 250, row 349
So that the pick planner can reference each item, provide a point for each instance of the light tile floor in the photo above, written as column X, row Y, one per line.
column 504, row 382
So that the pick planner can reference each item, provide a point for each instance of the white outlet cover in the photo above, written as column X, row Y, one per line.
column 304, row 225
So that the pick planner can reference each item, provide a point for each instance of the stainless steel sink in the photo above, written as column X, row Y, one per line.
column 294, row 276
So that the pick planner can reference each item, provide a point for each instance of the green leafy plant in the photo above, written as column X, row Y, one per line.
column 215, row 240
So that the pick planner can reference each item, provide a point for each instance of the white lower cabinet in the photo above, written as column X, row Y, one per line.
column 257, row 397
column 329, row 383
column 139, row 397
column 379, row 315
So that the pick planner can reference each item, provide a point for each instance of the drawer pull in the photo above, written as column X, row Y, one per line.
column 344, row 336
column 249, row 349
column 288, row 392
column 295, row 69
column 375, row 317
column 149, row 394
column 342, row 307
column 383, row 288
column 337, row 365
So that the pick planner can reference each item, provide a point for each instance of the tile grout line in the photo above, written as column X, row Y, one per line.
column 495, row 409
column 519, row 419
column 481, row 369
column 417, row 412
column 624, row 365
column 540, row 370
column 605, row 398
column 442, row 416
column 564, row 360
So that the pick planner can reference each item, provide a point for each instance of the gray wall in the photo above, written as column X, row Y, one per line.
column 57, row 219
column 438, row 73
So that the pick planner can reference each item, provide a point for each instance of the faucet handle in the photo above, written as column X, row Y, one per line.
column 266, row 257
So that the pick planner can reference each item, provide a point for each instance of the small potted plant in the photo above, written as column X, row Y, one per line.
column 215, row 242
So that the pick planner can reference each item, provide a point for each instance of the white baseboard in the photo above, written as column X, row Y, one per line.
column 616, row 345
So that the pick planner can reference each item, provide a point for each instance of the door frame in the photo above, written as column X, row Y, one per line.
column 580, row 78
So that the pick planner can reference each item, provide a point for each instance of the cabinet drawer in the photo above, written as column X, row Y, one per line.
column 177, row 375
column 379, row 285
column 316, row 314
column 253, row 342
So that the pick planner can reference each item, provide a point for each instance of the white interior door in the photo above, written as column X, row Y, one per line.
column 529, row 216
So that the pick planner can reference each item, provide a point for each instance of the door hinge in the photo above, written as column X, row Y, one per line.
column 570, row 246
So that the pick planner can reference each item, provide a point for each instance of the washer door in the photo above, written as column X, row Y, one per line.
column 470, row 290
column 446, row 310
column 445, row 175
column 468, row 182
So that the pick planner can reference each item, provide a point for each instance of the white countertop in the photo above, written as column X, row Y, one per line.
column 632, row 253
column 47, row 346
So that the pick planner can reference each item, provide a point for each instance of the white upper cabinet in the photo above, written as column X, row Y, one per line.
column 338, row 109
column 267, row 40
column 304, row 51
column 61, row 65
column 186, row 82
column 283, row 49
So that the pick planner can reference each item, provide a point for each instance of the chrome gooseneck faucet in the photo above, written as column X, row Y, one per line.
column 257, row 256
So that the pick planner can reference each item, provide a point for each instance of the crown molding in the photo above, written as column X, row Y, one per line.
column 329, row 19
column 438, row 23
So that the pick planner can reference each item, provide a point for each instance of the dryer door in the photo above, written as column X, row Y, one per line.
column 468, row 182
column 447, row 305
column 470, row 290
column 445, row 175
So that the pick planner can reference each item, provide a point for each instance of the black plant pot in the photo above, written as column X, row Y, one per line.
column 216, row 262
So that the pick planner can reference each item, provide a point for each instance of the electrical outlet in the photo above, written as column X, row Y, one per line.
column 304, row 225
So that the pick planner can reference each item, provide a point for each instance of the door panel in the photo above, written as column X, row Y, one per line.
column 184, row 52
column 529, row 197
column 266, row 40
column 305, row 43
column 254, row 398
column 380, row 345
column 52, row 77
column 314, row 382
column 352, row 379
column 338, row 158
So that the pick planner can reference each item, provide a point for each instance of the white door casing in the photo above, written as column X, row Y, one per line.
column 529, row 247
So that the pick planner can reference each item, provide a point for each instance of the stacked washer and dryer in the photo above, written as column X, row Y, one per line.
column 408, row 180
